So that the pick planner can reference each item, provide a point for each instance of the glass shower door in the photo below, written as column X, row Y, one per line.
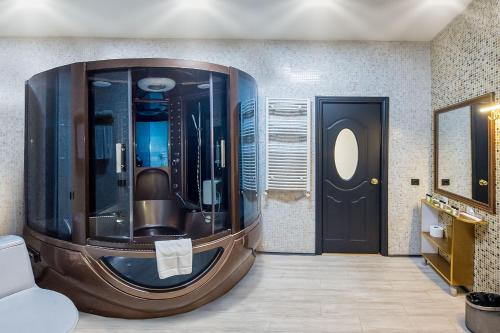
column 110, row 159
column 218, row 196
column 48, row 150
column 248, row 150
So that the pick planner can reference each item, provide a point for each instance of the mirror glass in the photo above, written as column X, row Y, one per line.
column 346, row 154
column 463, row 166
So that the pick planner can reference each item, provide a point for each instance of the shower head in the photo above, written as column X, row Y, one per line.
column 194, row 121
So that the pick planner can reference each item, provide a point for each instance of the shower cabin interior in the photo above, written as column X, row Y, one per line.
column 158, row 154
column 123, row 153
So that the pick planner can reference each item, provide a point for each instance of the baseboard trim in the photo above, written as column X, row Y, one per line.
column 286, row 253
column 313, row 254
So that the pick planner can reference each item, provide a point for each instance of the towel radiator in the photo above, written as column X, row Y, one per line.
column 288, row 145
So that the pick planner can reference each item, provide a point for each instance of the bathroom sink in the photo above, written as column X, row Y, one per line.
column 469, row 217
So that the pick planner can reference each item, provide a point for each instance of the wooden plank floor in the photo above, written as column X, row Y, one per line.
column 334, row 293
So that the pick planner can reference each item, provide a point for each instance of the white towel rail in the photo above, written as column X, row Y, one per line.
column 288, row 144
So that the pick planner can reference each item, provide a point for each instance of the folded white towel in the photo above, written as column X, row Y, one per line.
column 174, row 257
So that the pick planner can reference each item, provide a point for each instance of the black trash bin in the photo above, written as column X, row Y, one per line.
column 482, row 312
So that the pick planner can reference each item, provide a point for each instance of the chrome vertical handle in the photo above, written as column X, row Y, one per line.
column 222, row 153
column 120, row 157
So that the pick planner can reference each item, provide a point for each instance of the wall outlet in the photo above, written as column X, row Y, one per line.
column 415, row 181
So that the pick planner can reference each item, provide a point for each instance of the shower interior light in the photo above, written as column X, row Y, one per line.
column 203, row 86
column 156, row 84
column 101, row 84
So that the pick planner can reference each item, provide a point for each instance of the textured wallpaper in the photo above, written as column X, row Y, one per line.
column 400, row 71
column 465, row 60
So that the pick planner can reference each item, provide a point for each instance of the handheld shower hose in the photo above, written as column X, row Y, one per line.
column 197, row 126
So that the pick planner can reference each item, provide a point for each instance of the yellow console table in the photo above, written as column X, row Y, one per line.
column 452, row 256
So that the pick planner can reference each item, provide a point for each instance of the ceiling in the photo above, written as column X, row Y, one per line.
column 385, row 20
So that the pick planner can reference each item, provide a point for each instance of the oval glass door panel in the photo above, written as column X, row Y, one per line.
column 346, row 154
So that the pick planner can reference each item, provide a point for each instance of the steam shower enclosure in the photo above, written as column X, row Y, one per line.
column 122, row 153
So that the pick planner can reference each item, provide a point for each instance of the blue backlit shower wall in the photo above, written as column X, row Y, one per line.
column 152, row 143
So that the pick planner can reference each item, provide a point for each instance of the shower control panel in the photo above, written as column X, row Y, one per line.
column 177, row 147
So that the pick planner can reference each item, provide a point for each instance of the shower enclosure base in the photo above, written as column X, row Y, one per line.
column 78, row 272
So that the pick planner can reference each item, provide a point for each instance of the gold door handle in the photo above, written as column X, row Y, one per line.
column 483, row 182
column 374, row 181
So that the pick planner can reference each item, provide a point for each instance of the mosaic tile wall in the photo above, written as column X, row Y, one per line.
column 465, row 61
column 400, row 71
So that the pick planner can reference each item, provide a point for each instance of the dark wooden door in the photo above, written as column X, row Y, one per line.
column 351, row 137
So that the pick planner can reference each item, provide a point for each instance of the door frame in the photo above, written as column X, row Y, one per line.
column 384, row 103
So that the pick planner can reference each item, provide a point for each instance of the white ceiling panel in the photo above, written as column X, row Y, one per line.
column 386, row 20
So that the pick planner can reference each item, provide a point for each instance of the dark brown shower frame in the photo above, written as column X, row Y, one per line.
column 80, row 117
